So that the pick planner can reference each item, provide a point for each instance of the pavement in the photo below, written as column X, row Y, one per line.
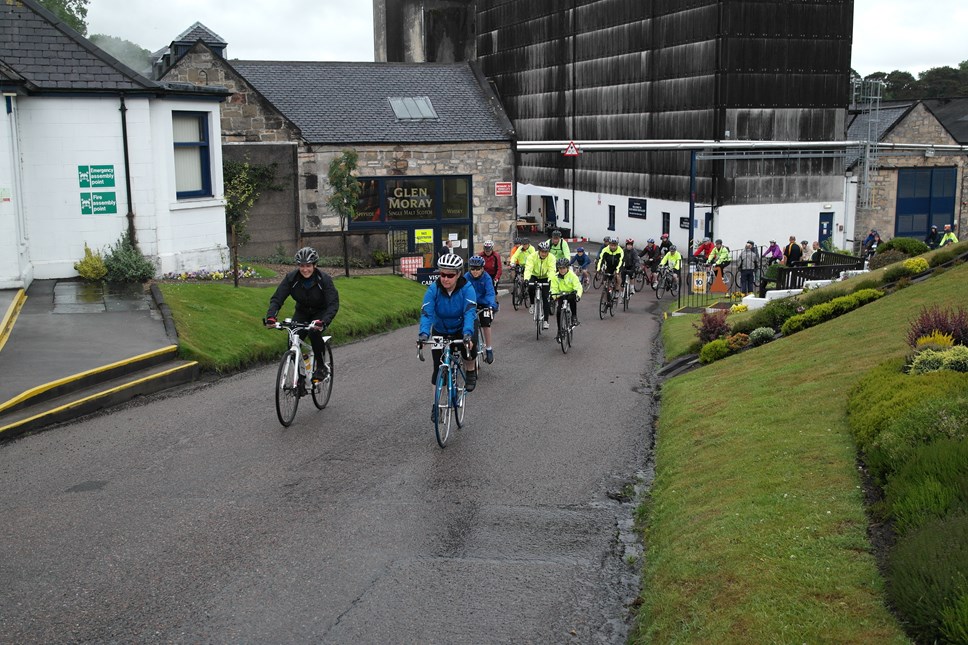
column 66, row 328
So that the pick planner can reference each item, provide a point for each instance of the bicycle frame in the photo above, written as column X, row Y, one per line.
column 299, row 346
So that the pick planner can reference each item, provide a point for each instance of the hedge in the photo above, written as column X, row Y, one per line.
column 829, row 310
column 932, row 482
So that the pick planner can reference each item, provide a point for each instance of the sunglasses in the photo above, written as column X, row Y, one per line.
column 448, row 275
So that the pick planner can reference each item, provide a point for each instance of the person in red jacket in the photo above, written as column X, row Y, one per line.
column 492, row 262
column 702, row 251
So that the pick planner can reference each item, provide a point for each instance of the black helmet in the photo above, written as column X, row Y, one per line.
column 562, row 262
column 307, row 255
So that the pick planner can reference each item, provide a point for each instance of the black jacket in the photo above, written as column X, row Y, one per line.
column 320, row 301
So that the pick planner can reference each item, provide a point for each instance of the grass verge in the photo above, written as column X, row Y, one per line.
column 679, row 336
column 221, row 326
column 757, row 530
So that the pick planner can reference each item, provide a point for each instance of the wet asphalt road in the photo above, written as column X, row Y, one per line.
column 195, row 517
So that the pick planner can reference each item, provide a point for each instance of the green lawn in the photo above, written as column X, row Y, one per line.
column 220, row 326
column 679, row 336
column 756, row 529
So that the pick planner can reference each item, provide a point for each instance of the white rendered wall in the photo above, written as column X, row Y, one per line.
column 15, row 271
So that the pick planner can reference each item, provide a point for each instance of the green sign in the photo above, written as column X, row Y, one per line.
column 99, row 203
column 95, row 176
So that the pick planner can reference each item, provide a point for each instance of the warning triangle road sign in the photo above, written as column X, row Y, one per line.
column 572, row 150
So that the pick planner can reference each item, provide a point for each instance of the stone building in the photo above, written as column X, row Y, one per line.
column 432, row 139
column 912, row 190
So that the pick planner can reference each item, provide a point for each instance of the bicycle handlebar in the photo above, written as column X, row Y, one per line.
column 288, row 324
column 436, row 340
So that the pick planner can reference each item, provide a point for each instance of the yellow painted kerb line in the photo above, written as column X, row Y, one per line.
column 31, row 393
column 99, row 395
column 10, row 317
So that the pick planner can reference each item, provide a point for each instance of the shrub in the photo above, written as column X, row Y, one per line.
column 829, row 310
column 872, row 283
column 816, row 297
column 929, row 480
column 928, row 573
column 712, row 326
column 125, row 263
column 884, row 259
column 943, row 257
column 738, row 308
column 896, row 272
column 92, row 266
column 381, row 258
column 935, row 340
column 926, row 361
column 944, row 320
column 713, row 351
column 955, row 359
column 919, row 424
column 906, row 245
column 774, row 314
column 761, row 336
column 737, row 342
column 916, row 265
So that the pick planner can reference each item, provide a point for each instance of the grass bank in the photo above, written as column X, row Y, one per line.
column 756, row 526
column 221, row 326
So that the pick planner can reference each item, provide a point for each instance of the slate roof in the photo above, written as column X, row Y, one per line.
column 49, row 56
column 346, row 102
column 198, row 31
column 888, row 116
column 953, row 115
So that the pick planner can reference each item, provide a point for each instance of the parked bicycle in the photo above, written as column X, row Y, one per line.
column 566, row 325
column 450, row 391
column 296, row 369
column 607, row 301
column 668, row 281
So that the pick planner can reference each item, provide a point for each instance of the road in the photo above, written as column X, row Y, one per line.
column 195, row 517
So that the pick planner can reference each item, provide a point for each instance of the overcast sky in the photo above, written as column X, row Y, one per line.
column 888, row 34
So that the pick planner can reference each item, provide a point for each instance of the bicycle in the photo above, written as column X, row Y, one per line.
column 296, row 368
column 566, row 327
column 639, row 278
column 519, row 290
column 538, row 309
column 582, row 276
column 597, row 281
column 668, row 281
column 607, row 301
column 450, row 391
column 487, row 313
column 627, row 292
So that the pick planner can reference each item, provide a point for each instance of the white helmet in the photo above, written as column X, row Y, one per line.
column 450, row 261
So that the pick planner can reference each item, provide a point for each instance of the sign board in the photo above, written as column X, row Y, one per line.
column 423, row 236
column 99, row 203
column 684, row 222
column 503, row 189
column 699, row 283
column 95, row 176
column 572, row 150
column 637, row 208
column 427, row 276
column 410, row 263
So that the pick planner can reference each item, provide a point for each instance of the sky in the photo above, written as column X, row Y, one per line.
column 889, row 35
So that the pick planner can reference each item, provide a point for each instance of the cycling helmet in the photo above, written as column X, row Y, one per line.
column 706, row 239
column 543, row 246
column 672, row 248
column 719, row 241
column 629, row 241
column 488, row 244
column 306, row 255
column 555, row 233
column 613, row 240
column 450, row 261
column 524, row 241
column 651, row 240
column 563, row 262
column 665, row 236
column 580, row 249
column 475, row 261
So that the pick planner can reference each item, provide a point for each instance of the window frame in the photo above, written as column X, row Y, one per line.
column 204, row 151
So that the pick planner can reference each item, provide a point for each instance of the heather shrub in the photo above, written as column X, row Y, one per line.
column 816, row 297
column 125, row 263
column 713, row 351
column 92, row 267
column 941, row 319
column 927, row 360
column 712, row 326
column 885, row 258
column 955, row 359
column 928, row 578
column 935, row 340
column 916, row 265
column 872, row 283
column 943, row 257
column 906, row 245
column 774, row 314
column 928, row 479
column 737, row 342
column 896, row 272
column 761, row 336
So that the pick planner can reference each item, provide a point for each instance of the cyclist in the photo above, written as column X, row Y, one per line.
column 520, row 256
column 492, row 262
column 949, row 236
column 650, row 260
column 773, row 253
column 702, row 251
column 609, row 262
column 450, row 310
column 484, row 288
column 630, row 262
column 581, row 261
column 566, row 285
column 664, row 244
column 672, row 259
column 718, row 258
column 317, row 301
column 558, row 246
column 540, row 268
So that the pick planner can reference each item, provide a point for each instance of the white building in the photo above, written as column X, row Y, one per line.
column 89, row 149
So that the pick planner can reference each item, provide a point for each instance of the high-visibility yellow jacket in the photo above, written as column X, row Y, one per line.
column 538, row 268
column 520, row 255
column 568, row 283
column 674, row 260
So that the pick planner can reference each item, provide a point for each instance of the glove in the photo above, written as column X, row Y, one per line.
column 423, row 338
column 318, row 325
column 577, row 298
column 497, row 306
column 467, row 342
column 270, row 322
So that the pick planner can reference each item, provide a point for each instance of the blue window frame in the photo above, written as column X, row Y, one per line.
column 193, row 165
column 925, row 198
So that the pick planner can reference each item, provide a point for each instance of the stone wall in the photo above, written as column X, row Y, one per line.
column 919, row 126
column 485, row 162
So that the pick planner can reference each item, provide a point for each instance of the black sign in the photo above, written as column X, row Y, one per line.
column 637, row 208
column 683, row 222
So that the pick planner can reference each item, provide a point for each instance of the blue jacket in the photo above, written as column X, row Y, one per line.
column 449, row 314
column 483, row 288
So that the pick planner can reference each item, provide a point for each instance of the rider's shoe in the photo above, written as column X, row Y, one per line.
column 301, row 388
column 471, row 381
column 488, row 356
column 575, row 322
column 544, row 325
column 321, row 373
column 633, row 289
column 531, row 310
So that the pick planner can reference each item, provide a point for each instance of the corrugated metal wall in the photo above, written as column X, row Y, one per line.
column 673, row 69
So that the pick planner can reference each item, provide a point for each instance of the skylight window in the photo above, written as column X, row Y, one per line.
column 413, row 108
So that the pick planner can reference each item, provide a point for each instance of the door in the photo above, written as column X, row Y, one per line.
column 826, row 227
column 708, row 227
column 925, row 198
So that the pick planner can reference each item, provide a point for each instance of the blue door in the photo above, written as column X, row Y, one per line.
column 826, row 227
column 925, row 198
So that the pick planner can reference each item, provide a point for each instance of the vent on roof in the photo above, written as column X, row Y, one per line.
column 415, row 108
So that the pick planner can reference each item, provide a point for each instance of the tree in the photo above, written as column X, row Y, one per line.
column 346, row 194
column 72, row 12
column 940, row 81
column 900, row 85
column 244, row 183
column 133, row 55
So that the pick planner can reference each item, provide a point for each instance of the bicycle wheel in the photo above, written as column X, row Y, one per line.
column 458, row 397
column 597, row 280
column 626, row 294
column 517, row 293
column 660, row 287
column 442, row 407
column 571, row 330
column 480, row 345
column 603, row 304
column 287, row 395
column 640, row 280
column 538, row 315
column 674, row 285
column 323, row 389
column 611, row 305
column 565, row 321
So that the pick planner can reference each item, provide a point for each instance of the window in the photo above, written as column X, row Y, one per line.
column 925, row 197
column 665, row 222
column 417, row 108
column 193, row 176
column 611, row 217
column 567, row 213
